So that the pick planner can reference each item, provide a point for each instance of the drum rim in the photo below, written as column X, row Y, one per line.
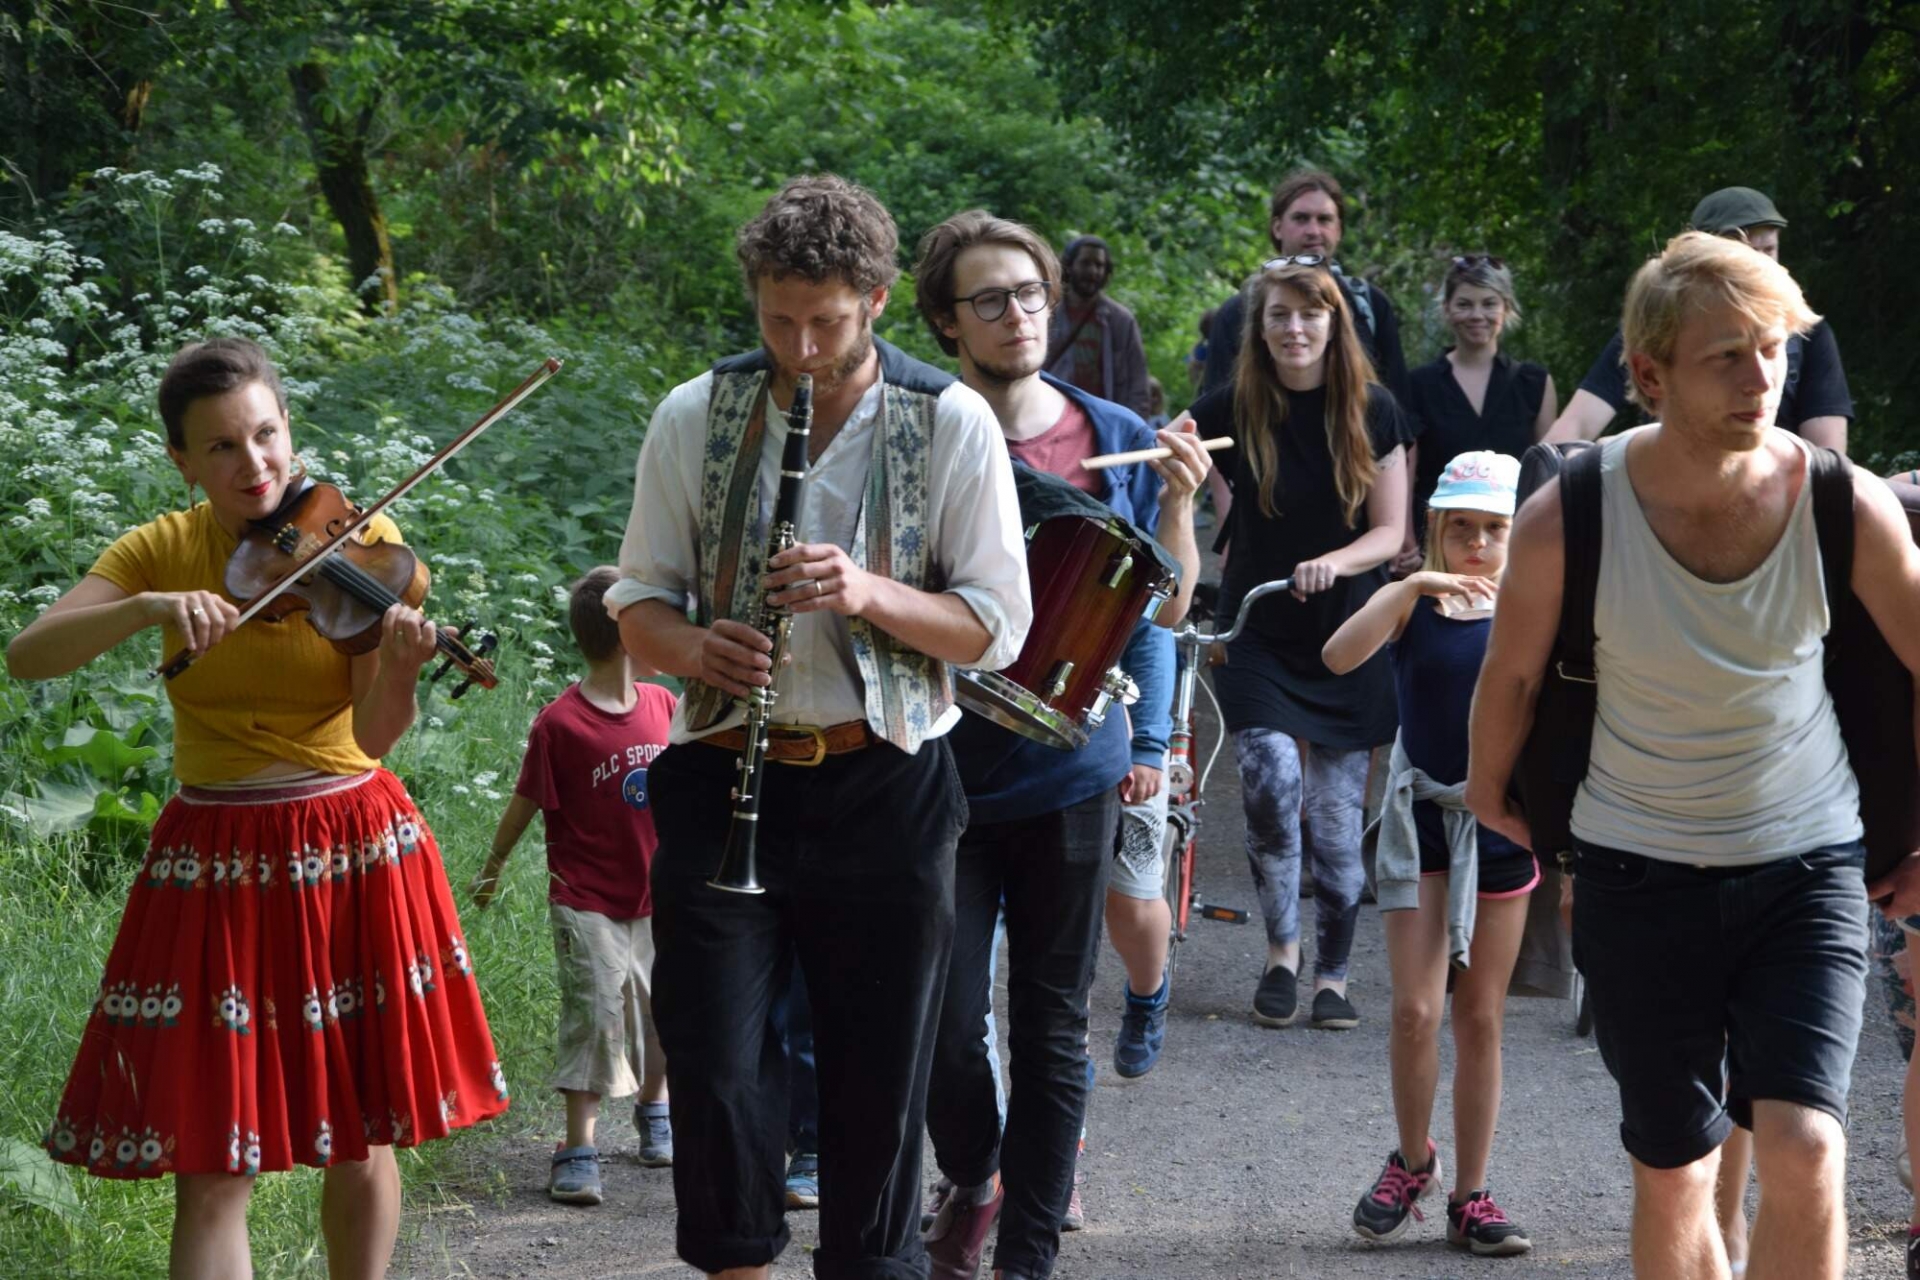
column 1015, row 707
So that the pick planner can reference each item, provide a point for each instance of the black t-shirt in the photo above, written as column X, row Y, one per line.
column 1381, row 339
column 1445, row 425
column 1274, row 677
column 1816, row 382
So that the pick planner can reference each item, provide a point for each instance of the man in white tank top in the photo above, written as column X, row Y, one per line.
column 1720, row 913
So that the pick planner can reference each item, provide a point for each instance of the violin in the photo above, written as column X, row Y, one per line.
column 312, row 555
column 347, row 594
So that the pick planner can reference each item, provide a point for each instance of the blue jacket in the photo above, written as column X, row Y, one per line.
column 1009, row 778
column 1133, row 491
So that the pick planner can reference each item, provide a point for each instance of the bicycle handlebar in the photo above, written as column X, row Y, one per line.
column 1192, row 635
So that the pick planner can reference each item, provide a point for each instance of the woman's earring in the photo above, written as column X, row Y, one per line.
column 297, row 469
column 190, row 488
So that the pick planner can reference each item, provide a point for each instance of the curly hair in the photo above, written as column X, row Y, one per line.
column 820, row 227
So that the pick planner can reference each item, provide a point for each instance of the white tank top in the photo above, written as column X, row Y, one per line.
column 1715, row 741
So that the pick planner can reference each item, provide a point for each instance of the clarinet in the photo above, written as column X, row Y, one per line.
column 738, row 872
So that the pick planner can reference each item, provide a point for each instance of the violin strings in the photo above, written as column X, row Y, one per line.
column 371, row 591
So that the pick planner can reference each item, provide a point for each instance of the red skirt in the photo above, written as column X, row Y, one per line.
column 289, row 986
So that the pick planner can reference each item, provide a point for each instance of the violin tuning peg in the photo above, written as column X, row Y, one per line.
column 486, row 643
column 461, row 688
column 446, row 665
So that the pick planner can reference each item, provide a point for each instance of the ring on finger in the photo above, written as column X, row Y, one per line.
column 198, row 612
column 817, row 588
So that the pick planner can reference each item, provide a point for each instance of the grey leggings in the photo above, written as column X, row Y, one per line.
column 1273, row 778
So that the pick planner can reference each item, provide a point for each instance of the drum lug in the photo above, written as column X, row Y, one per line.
column 1057, row 680
column 1118, row 684
column 1154, row 602
column 1118, row 568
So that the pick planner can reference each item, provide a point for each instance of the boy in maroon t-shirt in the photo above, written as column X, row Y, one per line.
column 585, row 772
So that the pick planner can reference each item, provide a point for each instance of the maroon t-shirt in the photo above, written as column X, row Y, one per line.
column 1060, row 449
column 587, row 770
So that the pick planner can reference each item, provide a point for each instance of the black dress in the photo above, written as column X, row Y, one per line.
column 1445, row 425
column 1274, row 677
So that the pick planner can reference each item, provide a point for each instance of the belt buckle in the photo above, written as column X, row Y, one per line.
column 819, row 737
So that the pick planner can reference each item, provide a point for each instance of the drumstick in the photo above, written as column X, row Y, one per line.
column 1104, row 460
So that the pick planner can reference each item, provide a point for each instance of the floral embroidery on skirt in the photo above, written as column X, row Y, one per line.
column 289, row 985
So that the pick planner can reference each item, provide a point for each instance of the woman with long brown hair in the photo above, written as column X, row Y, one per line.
column 1319, row 494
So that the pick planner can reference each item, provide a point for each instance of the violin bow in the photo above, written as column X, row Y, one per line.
column 182, row 660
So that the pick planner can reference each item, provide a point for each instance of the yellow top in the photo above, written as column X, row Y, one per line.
column 270, row 691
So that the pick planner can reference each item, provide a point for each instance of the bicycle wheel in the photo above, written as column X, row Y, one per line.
column 1177, row 886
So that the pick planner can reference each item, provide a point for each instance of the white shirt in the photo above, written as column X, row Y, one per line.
column 977, row 549
column 1715, row 742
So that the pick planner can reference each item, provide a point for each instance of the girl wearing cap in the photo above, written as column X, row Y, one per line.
column 1454, row 894
column 1320, row 495
column 1473, row 395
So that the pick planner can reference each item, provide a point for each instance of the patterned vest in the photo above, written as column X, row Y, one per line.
column 906, row 691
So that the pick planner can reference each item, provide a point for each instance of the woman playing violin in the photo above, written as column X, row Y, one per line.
column 289, row 983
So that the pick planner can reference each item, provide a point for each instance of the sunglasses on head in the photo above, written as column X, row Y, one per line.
column 1296, row 260
column 1467, row 261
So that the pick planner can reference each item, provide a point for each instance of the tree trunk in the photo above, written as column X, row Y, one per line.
column 340, row 160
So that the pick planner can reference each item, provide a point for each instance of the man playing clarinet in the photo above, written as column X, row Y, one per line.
column 1044, row 821
column 909, row 561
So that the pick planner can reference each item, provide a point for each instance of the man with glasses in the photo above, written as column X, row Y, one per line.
column 1308, row 218
column 1042, row 822
column 1815, row 405
column 1092, row 341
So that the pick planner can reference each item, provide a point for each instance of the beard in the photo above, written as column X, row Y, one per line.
column 1006, row 371
column 827, row 381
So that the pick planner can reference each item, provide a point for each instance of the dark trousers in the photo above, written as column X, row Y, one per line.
column 1052, row 872
column 857, row 859
column 793, row 1023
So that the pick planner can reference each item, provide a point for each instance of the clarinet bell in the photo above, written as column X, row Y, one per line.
column 737, row 872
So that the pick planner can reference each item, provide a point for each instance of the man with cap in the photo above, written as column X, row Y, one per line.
column 1093, row 342
column 1816, row 405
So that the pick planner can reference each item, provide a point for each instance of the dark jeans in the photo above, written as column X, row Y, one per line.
column 1714, row 988
column 1052, row 872
column 857, row 859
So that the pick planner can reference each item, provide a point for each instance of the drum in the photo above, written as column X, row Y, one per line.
column 1092, row 581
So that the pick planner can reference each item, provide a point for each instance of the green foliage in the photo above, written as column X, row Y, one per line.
column 1571, row 139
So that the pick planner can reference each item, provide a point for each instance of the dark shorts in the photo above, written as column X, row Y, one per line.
column 1507, row 876
column 1715, row 988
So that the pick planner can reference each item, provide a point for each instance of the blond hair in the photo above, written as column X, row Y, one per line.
column 1697, row 271
column 1260, row 401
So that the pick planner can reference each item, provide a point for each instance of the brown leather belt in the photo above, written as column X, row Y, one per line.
column 800, row 744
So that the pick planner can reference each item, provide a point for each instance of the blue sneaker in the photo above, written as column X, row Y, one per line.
column 656, row 1134
column 1143, row 1031
column 803, row 1181
column 576, row 1176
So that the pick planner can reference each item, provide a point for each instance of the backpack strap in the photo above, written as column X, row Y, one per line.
column 1580, row 502
column 1832, row 478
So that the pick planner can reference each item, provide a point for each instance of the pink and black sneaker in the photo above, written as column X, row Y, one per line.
column 1477, row 1223
column 1381, row 1216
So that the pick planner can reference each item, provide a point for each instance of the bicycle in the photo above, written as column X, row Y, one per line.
column 1186, row 785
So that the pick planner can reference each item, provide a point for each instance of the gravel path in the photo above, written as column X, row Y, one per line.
column 1239, row 1158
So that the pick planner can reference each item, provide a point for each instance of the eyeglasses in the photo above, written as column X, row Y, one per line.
column 1296, row 260
column 991, row 304
column 1467, row 261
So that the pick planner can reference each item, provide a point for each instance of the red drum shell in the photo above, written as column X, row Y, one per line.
column 1082, row 615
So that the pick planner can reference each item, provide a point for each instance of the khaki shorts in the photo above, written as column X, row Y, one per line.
column 606, row 1033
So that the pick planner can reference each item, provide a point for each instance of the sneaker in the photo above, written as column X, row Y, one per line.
column 576, row 1176
column 803, row 1181
column 1143, row 1030
column 958, row 1237
column 1333, row 1011
column 1277, row 999
column 936, row 1201
column 1477, row 1223
column 656, row 1134
column 1381, row 1216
